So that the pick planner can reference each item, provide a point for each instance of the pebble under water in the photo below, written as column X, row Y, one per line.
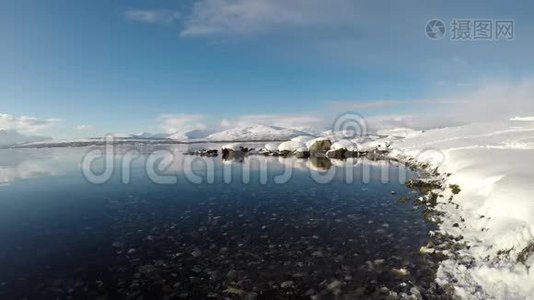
column 62, row 237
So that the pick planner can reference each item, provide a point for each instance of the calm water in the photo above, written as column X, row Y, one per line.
column 62, row 237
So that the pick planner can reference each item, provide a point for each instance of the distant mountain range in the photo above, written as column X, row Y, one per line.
column 255, row 132
column 186, row 135
column 9, row 137
column 242, row 133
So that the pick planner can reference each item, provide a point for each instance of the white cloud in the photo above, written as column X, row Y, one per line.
column 161, row 16
column 220, row 17
column 361, row 106
column 325, row 120
column 491, row 101
column 414, row 121
column 25, row 124
column 484, row 102
column 366, row 105
column 186, row 122
column 225, row 123
column 84, row 127
column 176, row 122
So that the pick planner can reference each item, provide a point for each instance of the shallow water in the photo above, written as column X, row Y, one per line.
column 299, row 229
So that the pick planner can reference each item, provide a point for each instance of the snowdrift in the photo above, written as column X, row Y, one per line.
column 492, row 164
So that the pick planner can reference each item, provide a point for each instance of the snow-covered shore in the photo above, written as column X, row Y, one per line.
column 492, row 164
column 493, row 214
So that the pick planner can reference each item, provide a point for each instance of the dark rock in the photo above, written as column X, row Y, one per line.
column 225, row 153
column 232, row 274
column 196, row 253
column 320, row 146
column 285, row 153
column 338, row 154
column 228, row 154
column 334, row 285
column 286, row 284
column 211, row 153
column 302, row 154
column 321, row 162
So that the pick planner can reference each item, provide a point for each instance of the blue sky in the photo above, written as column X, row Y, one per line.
column 87, row 68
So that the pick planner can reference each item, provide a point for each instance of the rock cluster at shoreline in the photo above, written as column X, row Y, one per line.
column 306, row 147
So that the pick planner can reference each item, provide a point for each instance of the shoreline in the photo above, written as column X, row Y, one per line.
column 436, row 192
column 491, row 212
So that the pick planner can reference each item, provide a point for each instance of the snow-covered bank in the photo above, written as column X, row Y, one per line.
column 492, row 211
column 492, row 164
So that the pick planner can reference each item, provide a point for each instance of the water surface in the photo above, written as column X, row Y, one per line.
column 63, row 237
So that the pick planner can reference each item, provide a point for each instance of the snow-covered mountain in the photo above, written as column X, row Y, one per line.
column 148, row 135
column 9, row 137
column 255, row 133
column 180, row 135
column 241, row 133
column 186, row 135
